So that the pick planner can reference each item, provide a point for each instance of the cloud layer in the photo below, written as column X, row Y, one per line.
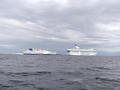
column 38, row 23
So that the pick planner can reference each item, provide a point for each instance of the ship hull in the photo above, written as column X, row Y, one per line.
column 37, row 54
column 83, row 54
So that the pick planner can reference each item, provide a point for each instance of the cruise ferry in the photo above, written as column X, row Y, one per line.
column 83, row 52
column 32, row 51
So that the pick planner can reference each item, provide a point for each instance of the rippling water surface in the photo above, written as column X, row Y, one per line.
column 59, row 72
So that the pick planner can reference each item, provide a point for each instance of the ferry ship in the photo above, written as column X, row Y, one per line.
column 32, row 51
column 83, row 52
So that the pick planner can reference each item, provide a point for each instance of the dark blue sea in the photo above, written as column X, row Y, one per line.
column 59, row 72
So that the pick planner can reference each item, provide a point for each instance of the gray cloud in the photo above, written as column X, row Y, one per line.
column 90, row 23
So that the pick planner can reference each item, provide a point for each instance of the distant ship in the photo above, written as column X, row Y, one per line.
column 83, row 52
column 32, row 51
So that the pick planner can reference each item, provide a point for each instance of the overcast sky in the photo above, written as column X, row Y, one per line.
column 58, row 24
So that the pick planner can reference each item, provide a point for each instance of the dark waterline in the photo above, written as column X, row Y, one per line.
column 59, row 72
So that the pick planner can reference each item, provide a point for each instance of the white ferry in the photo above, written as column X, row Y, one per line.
column 83, row 52
column 32, row 51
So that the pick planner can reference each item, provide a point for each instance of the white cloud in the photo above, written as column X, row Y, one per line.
column 62, row 2
column 73, row 35
column 52, row 38
column 84, row 3
column 9, row 21
column 8, row 46
column 113, row 49
column 109, row 26
column 110, row 32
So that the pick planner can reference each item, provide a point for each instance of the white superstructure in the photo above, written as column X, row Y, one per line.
column 83, row 52
column 37, row 52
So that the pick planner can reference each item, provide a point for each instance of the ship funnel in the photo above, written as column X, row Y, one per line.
column 76, row 46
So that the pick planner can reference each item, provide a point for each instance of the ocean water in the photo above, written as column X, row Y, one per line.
column 59, row 72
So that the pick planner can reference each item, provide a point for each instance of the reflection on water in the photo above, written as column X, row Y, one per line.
column 58, row 72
